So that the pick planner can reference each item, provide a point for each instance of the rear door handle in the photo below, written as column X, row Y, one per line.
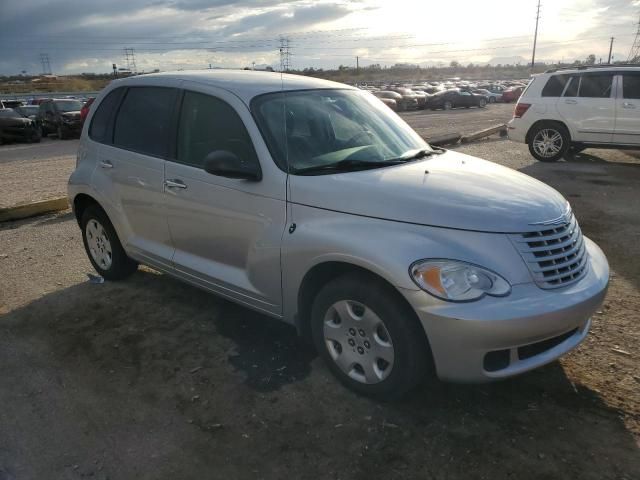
column 628, row 105
column 175, row 183
column 570, row 102
column 106, row 164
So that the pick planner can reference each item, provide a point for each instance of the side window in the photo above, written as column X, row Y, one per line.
column 555, row 85
column 100, row 130
column 631, row 85
column 208, row 124
column 572, row 88
column 143, row 123
column 596, row 85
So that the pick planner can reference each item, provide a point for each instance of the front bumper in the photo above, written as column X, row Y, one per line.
column 530, row 327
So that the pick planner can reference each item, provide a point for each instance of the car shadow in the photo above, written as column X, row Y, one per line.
column 148, row 377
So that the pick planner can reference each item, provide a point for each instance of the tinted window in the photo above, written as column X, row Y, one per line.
column 68, row 105
column 144, row 120
column 596, row 86
column 572, row 89
column 208, row 124
column 555, row 86
column 631, row 86
column 8, row 113
column 99, row 129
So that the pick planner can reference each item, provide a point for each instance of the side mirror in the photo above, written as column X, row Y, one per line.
column 227, row 164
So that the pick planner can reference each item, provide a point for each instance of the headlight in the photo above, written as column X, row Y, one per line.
column 457, row 281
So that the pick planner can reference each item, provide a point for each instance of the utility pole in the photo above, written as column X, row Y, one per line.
column 357, row 64
column 535, row 38
column 46, row 66
column 610, row 49
column 130, row 59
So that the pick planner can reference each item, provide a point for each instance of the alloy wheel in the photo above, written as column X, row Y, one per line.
column 358, row 342
column 548, row 142
column 99, row 244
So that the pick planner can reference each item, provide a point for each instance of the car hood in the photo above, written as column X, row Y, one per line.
column 13, row 121
column 74, row 114
column 449, row 190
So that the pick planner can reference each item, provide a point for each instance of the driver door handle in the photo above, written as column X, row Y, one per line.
column 106, row 164
column 570, row 102
column 628, row 105
column 175, row 183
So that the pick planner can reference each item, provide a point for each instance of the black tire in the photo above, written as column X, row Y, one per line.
column 121, row 265
column 492, row 99
column 36, row 136
column 552, row 129
column 411, row 353
column 447, row 105
column 482, row 103
column 61, row 133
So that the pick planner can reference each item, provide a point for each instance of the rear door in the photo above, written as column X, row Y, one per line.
column 588, row 107
column 628, row 109
column 130, row 170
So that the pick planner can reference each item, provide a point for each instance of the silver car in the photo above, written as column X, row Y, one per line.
column 311, row 202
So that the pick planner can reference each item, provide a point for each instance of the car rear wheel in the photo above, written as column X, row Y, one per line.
column 61, row 133
column 36, row 136
column 103, row 247
column 371, row 341
column 492, row 99
column 447, row 105
column 482, row 103
column 549, row 142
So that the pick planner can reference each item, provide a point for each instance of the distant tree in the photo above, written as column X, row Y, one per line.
column 454, row 64
column 591, row 59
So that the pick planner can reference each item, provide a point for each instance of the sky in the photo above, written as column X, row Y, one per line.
column 90, row 35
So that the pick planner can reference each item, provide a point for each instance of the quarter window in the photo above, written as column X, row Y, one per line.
column 99, row 129
column 208, row 124
column 596, row 85
column 144, row 120
column 631, row 86
column 555, row 85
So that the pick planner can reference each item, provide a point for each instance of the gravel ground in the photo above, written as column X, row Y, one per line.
column 153, row 379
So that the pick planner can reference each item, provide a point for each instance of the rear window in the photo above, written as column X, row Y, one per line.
column 572, row 89
column 144, row 120
column 555, row 85
column 99, row 129
column 596, row 85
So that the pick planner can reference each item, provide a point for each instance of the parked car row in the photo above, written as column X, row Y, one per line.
column 31, row 120
column 452, row 93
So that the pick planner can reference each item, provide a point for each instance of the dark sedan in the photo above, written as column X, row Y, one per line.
column 456, row 98
column 14, row 126
column 61, row 116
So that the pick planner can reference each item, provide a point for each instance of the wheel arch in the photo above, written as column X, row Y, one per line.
column 80, row 203
column 537, row 123
column 322, row 273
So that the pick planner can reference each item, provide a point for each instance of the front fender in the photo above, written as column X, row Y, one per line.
column 385, row 248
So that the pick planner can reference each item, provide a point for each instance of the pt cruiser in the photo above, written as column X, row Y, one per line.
column 312, row 202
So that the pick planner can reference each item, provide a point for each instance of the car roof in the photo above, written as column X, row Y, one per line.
column 594, row 68
column 246, row 84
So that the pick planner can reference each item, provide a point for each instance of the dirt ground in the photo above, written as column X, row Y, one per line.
column 153, row 379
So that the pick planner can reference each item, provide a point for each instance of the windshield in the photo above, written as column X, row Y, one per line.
column 28, row 110
column 68, row 105
column 324, row 127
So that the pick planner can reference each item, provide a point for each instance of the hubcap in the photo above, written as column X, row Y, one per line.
column 99, row 245
column 358, row 341
column 547, row 142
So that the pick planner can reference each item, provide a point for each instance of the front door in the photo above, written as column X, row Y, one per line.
column 588, row 107
column 628, row 110
column 226, row 231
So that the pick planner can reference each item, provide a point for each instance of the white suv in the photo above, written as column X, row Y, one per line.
column 567, row 110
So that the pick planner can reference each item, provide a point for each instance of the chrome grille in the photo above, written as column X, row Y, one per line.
column 556, row 256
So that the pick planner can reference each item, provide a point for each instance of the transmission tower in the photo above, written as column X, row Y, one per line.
column 130, row 59
column 285, row 54
column 46, row 66
column 634, row 54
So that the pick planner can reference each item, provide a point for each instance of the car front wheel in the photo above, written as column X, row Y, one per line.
column 103, row 247
column 549, row 142
column 369, row 338
column 448, row 105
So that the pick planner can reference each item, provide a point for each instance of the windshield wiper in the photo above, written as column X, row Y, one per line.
column 348, row 166
column 418, row 154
